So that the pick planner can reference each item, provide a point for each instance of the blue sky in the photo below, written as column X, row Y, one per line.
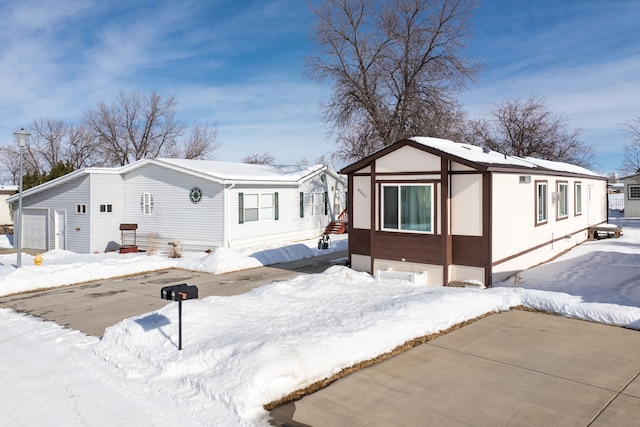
column 241, row 63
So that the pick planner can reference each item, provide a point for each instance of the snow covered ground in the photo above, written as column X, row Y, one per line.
column 248, row 350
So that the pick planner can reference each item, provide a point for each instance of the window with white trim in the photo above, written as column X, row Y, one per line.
column 257, row 207
column 562, row 197
column 314, row 204
column 106, row 208
column 578, row 201
column 146, row 203
column 633, row 191
column 81, row 209
column 407, row 207
column 541, row 202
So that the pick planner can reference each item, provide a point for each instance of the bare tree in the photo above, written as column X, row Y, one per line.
column 529, row 129
column 395, row 67
column 631, row 150
column 201, row 143
column 10, row 162
column 46, row 142
column 52, row 143
column 259, row 159
column 81, row 151
column 136, row 126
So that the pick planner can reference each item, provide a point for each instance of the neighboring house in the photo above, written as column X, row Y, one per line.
column 631, row 193
column 198, row 203
column 6, row 191
column 461, row 213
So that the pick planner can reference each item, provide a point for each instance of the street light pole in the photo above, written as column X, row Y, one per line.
column 22, row 139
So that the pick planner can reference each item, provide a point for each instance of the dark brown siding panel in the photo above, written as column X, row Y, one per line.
column 469, row 250
column 422, row 248
column 359, row 241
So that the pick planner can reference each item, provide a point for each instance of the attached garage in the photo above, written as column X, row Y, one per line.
column 34, row 229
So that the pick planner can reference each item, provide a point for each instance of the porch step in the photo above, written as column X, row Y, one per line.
column 336, row 227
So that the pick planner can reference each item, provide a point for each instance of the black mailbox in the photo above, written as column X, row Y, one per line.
column 179, row 292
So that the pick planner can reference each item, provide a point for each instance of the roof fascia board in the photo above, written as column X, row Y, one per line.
column 53, row 183
column 543, row 171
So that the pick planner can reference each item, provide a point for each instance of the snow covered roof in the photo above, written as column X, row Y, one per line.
column 488, row 159
column 221, row 172
column 8, row 188
column 242, row 172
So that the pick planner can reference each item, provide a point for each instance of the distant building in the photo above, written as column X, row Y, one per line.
column 631, row 192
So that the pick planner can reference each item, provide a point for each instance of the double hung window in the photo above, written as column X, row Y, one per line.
column 562, row 197
column 541, row 202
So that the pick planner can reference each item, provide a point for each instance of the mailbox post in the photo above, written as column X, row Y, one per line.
column 179, row 293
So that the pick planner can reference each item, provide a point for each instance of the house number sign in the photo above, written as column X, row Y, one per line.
column 195, row 195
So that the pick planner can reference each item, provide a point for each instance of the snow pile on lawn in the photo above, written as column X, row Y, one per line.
column 245, row 351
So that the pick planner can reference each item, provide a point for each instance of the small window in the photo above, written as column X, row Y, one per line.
column 541, row 202
column 578, row 201
column 81, row 209
column 633, row 192
column 561, row 200
column 146, row 203
column 106, row 208
column 407, row 208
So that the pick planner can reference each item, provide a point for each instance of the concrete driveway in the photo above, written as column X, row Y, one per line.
column 516, row 368
column 93, row 307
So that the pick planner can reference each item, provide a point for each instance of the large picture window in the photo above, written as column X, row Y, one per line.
column 541, row 202
column 562, row 198
column 407, row 207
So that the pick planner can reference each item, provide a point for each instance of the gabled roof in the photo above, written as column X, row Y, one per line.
column 230, row 172
column 219, row 172
column 476, row 157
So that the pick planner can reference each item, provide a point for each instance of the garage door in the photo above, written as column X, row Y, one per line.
column 34, row 229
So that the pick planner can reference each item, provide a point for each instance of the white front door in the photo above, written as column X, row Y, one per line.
column 61, row 229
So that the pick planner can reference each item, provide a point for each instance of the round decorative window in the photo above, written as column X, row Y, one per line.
column 195, row 195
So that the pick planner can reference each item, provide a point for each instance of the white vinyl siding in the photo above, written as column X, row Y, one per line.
column 173, row 217
column 466, row 205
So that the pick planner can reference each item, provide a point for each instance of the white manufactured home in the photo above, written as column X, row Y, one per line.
column 197, row 204
column 454, row 212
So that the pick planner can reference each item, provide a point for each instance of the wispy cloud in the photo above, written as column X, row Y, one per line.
column 241, row 64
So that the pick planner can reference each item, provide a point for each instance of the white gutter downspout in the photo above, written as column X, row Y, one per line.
column 226, row 238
